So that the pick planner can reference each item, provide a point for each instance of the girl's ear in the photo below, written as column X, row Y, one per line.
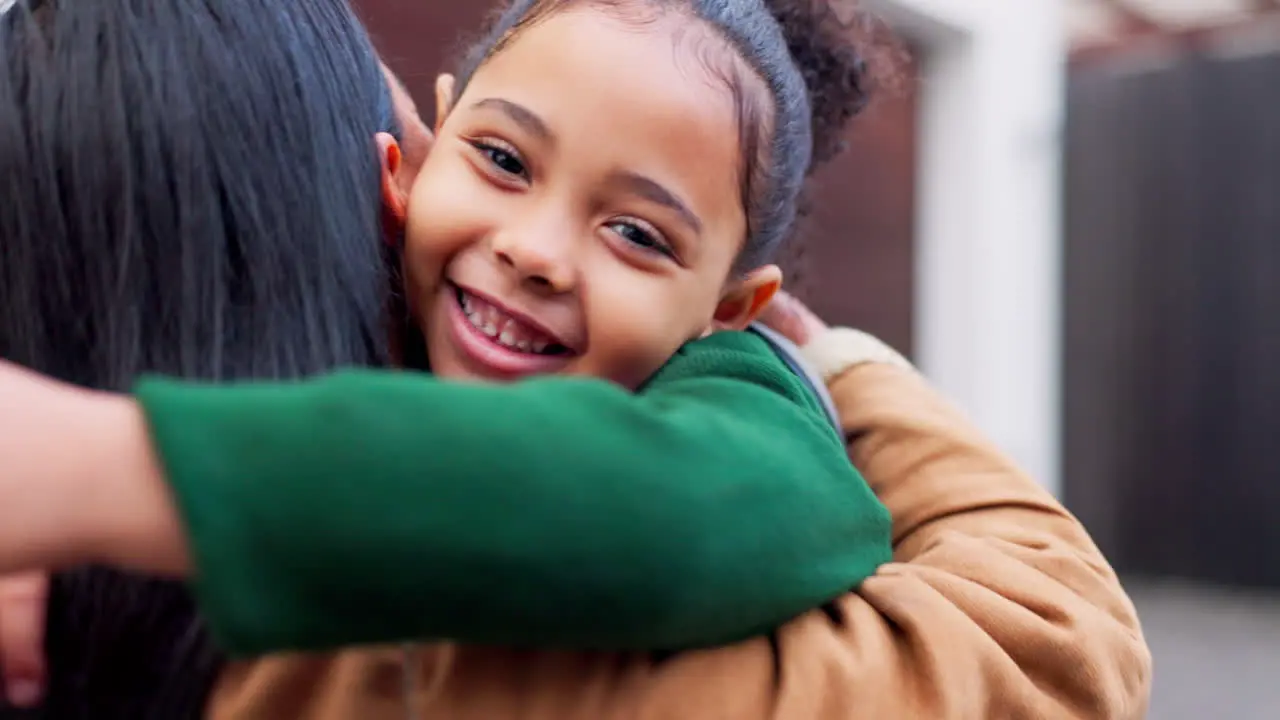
column 395, row 198
column 747, row 297
column 445, row 83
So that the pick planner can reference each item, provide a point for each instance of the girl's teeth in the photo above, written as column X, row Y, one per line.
column 488, row 321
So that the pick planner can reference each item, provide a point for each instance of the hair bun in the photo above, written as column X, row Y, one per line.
column 844, row 57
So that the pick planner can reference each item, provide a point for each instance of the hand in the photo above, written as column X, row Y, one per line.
column 41, row 451
column 79, row 481
column 792, row 318
column 22, row 622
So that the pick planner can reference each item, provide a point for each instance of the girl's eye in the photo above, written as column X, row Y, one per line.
column 643, row 239
column 502, row 158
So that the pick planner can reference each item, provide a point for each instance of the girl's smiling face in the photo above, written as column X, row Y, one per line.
column 582, row 208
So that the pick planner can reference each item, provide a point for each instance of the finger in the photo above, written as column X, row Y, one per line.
column 780, row 315
column 22, row 622
column 801, row 324
column 784, row 297
column 776, row 310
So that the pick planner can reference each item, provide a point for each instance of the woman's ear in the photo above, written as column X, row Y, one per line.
column 445, row 84
column 747, row 297
column 395, row 199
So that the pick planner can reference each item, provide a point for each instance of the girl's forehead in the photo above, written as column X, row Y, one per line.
column 629, row 51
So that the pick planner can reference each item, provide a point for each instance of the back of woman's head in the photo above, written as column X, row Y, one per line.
column 191, row 188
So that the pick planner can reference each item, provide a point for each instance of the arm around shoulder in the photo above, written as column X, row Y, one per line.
column 998, row 602
column 997, row 605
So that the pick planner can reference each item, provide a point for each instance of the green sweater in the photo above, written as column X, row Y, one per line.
column 368, row 507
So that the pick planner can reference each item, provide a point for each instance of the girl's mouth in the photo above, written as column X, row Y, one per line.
column 500, row 344
column 505, row 329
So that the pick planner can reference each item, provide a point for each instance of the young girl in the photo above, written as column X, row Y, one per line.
column 636, row 254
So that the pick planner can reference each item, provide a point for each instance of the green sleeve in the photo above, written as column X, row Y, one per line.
column 371, row 507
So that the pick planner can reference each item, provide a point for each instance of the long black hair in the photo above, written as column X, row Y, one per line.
column 190, row 187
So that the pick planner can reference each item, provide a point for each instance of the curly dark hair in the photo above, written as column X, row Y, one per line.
column 846, row 57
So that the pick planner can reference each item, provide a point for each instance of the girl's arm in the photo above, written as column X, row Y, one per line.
column 370, row 507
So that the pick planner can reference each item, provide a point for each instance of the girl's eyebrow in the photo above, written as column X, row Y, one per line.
column 655, row 192
column 520, row 115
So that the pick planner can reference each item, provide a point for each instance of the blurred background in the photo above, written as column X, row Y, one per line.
column 1069, row 216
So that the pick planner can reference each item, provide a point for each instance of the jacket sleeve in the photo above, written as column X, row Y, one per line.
column 558, row 512
column 998, row 605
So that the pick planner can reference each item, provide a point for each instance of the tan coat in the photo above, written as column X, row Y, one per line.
column 998, row 606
